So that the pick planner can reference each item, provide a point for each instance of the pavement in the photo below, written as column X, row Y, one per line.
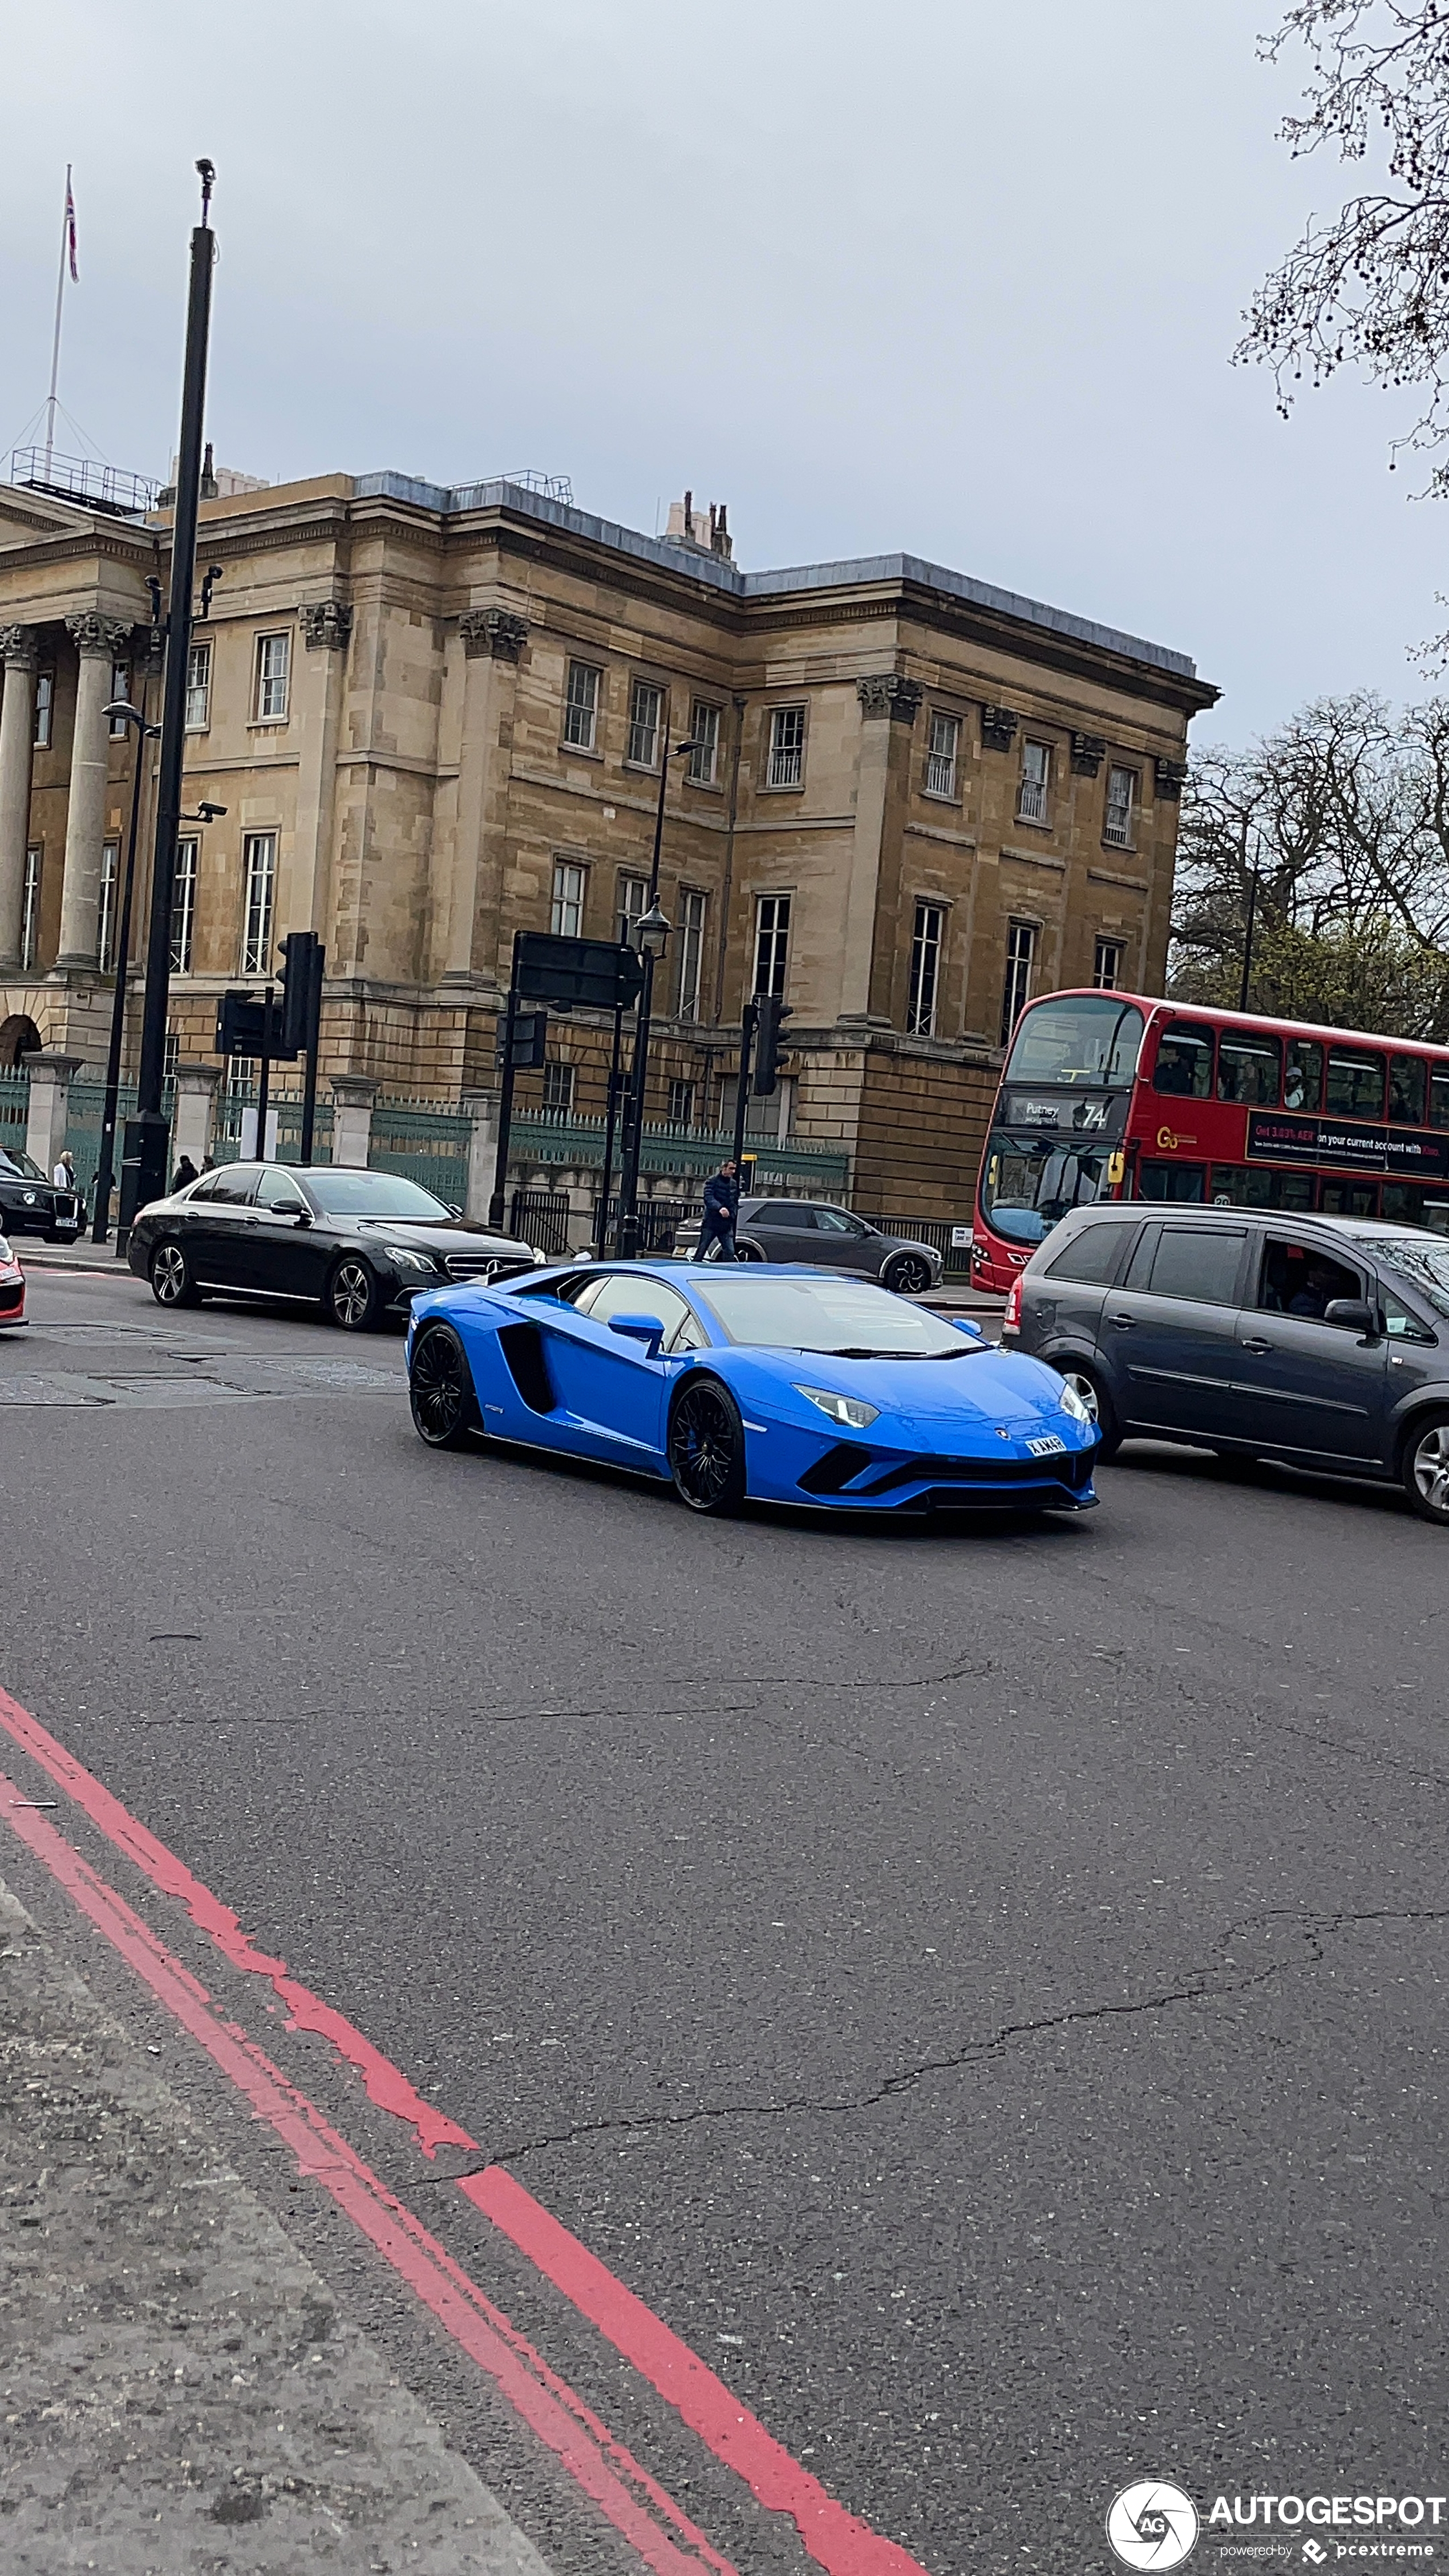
column 935, row 2022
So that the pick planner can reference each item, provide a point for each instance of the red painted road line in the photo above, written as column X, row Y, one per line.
column 838, row 2540
column 570, row 2429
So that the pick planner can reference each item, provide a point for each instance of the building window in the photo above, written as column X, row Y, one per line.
column 644, row 704
column 1107, row 966
column 925, row 970
column 558, row 1090
column 1016, row 993
column 681, row 1104
column 183, row 907
column 171, row 1055
column 44, row 709
column 30, row 908
column 691, row 953
column 274, row 666
column 1121, row 796
column 942, row 754
column 787, row 747
column 106, row 910
column 120, row 688
column 633, row 904
column 198, row 688
column 704, row 734
column 260, row 867
column 581, row 706
column 772, row 939
column 1036, row 771
column 566, row 920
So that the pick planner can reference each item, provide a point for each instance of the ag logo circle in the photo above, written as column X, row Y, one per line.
column 1152, row 2524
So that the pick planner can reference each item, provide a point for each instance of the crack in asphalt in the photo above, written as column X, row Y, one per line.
column 1316, row 1930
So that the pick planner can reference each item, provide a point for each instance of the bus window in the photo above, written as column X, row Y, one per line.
column 1249, row 1068
column 1260, row 1185
column 1185, row 1060
column 1439, row 1096
column 1083, row 1037
column 1348, row 1198
column 1407, row 1076
column 1303, row 1081
column 1186, row 1182
column 1355, row 1086
column 1029, row 1183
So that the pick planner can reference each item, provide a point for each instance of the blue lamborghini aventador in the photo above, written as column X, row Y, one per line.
column 787, row 1385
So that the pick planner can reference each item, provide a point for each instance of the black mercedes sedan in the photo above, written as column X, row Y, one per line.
column 359, row 1244
column 31, row 1204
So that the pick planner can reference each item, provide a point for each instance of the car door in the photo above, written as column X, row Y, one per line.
column 1168, row 1333
column 840, row 1241
column 1304, row 1386
column 218, row 1241
column 277, row 1252
column 610, row 1391
column 776, row 1225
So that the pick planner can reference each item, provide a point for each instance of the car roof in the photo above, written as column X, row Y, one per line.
column 1355, row 1228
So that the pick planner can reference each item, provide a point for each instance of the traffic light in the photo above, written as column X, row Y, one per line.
column 300, row 1001
column 530, row 1039
column 769, row 1012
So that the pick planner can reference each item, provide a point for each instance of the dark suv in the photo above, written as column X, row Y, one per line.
column 829, row 1237
column 1321, row 1341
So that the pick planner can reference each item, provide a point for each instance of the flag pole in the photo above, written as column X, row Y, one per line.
column 65, row 224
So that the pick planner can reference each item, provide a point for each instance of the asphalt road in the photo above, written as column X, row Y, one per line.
column 984, row 1987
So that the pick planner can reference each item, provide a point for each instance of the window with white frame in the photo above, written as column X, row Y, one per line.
column 259, row 869
column 106, row 907
column 921, row 999
column 772, row 941
column 1020, row 958
column 241, row 1083
column 274, row 671
column 1107, row 965
column 198, row 688
column 30, row 908
column 44, row 709
column 633, row 904
column 581, row 706
column 645, row 701
column 1121, row 797
column 681, row 1104
column 787, row 747
column 691, row 953
column 943, row 750
column 171, row 1055
column 704, row 734
column 183, row 907
column 1036, row 774
column 566, row 916
column 558, row 1089
column 120, row 688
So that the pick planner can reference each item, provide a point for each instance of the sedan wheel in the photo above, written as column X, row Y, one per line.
column 440, row 1389
column 171, row 1281
column 908, row 1275
column 352, row 1295
column 707, row 1448
column 1426, row 1470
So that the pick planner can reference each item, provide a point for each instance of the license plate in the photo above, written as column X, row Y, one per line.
column 1047, row 1447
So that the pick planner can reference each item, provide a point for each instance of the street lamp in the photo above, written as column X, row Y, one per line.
column 652, row 933
column 120, row 708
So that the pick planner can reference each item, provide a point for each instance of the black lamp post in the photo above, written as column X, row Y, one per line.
column 106, row 1164
column 652, row 934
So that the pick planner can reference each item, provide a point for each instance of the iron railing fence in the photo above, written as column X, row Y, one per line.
column 226, row 1144
column 14, row 1108
column 561, row 1138
column 541, row 1217
column 427, row 1144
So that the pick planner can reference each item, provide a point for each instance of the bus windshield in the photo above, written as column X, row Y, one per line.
column 1081, row 1037
column 1029, row 1183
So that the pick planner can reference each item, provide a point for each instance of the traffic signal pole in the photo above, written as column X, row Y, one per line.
column 742, row 1087
column 505, row 1100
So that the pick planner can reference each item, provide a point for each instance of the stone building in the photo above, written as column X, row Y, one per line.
column 436, row 717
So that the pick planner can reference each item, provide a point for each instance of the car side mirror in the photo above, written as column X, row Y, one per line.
column 1351, row 1315
column 639, row 1328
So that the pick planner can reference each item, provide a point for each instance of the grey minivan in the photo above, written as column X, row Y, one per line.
column 1320, row 1341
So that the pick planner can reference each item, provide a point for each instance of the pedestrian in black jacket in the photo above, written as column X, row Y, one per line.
column 721, row 1199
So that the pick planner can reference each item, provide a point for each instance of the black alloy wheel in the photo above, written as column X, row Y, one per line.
column 440, row 1390
column 707, row 1447
column 1090, row 1391
column 172, row 1283
column 909, row 1275
column 1426, row 1467
column 352, row 1295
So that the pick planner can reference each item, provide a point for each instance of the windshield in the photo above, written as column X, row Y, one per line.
column 1424, row 1260
column 1083, row 1037
column 15, row 1166
column 1029, row 1183
column 837, row 1315
column 340, row 1193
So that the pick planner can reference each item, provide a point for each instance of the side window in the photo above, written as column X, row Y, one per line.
column 1298, row 1279
column 205, row 1189
column 1139, row 1268
column 1199, row 1262
column 1091, row 1257
column 1407, row 1085
column 1303, row 1079
column 235, row 1184
column 1399, row 1323
column 780, row 1212
column 623, row 1292
column 1355, row 1083
column 829, row 1220
column 803, row 1220
column 1249, row 1068
column 277, row 1190
column 691, row 1336
column 1185, row 1061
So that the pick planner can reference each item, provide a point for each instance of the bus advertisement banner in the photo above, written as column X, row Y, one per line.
column 1401, row 1151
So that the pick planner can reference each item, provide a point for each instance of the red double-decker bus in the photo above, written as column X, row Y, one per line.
column 1112, row 1095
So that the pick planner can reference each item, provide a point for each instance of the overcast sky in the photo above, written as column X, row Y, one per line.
column 945, row 276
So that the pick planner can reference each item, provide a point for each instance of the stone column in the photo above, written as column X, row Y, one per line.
column 493, row 640
column 100, row 641
column 482, row 1108
column 353, row 1095
column 317, row 695
column 896, row 700
column 195, row 1106
column 20, row 648
column 50, row 1081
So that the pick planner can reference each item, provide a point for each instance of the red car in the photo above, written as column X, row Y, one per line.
column 12, row 1288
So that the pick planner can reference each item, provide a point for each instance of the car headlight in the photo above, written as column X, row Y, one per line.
column 847, row 1410
column 1072, row 1404
column 408, row 1257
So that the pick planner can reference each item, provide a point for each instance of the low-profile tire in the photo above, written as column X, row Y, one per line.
column 707, row 1446
column 441, row 1392
column 1086, row 1384
column 354, row 1299
column 1426, row 1467
column 173, row 1282
column 908, row 1275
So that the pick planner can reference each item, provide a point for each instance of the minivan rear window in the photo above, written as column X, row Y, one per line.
column 1091, row 1257
column 1197, row 1261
